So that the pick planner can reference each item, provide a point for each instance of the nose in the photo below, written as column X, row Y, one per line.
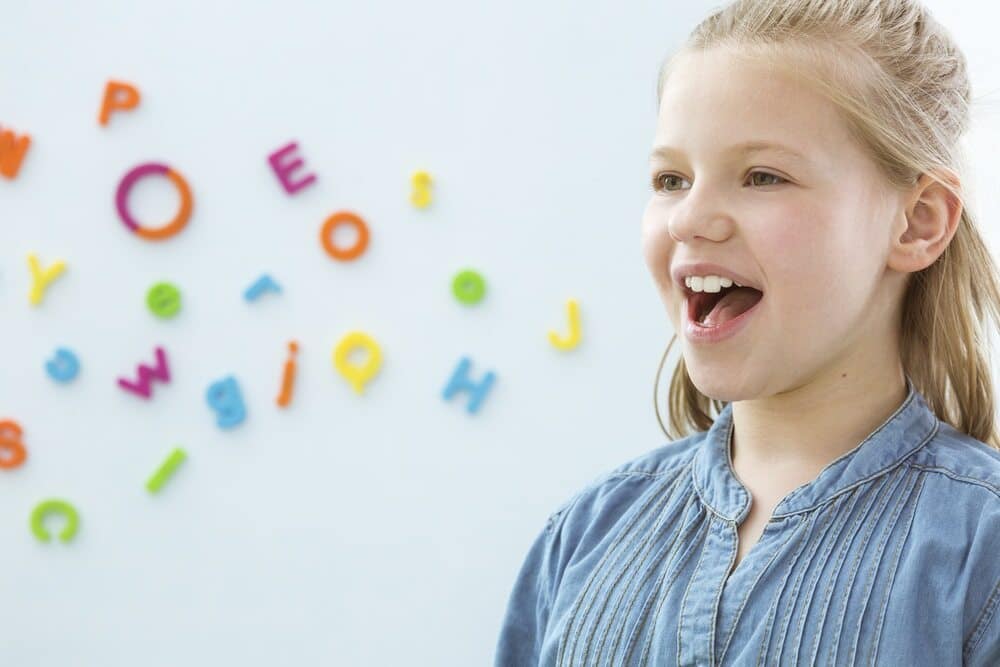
column 700, row 214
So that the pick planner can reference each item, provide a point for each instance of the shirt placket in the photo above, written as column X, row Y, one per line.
column 696, row 628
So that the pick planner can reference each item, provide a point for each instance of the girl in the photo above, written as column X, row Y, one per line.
column 809, row 237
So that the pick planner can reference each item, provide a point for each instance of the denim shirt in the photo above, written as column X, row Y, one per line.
column 889, row 556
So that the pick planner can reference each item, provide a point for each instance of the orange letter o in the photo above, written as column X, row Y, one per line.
column 344, row 218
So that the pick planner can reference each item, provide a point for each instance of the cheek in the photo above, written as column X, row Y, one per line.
column 811, row 268
column 657, row 246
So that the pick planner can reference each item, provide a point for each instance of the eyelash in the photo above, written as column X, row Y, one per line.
column 657, row 187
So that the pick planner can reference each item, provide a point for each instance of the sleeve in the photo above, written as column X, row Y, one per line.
column 984, row 644
column 528, row 606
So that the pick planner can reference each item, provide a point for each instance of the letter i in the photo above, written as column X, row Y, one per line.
column 285, row 397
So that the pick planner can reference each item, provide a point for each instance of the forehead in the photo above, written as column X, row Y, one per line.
column 712, row 101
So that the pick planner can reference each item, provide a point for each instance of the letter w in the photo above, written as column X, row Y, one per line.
column 142, row 386
column 12, row 150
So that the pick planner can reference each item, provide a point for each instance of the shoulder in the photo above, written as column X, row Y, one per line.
column 960, row 490
column 611, row 492
column 972, row 465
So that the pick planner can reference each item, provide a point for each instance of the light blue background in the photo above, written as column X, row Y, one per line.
column 384, row 529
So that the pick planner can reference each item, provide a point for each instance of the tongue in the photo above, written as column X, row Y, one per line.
column 735, row 302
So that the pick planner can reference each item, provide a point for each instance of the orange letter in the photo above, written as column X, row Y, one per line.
column 118, row 96
column 334, row 221
column 289, row 377
column 10, row 441
column 12, row 150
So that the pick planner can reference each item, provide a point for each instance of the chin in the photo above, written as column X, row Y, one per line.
column 718, row 382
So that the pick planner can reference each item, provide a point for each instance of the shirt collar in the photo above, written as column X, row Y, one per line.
column 907, row 429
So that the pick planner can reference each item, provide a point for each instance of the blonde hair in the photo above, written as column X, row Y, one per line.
column 900, row 83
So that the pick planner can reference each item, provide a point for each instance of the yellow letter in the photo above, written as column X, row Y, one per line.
column 357, row 375
column 573, row 339
column 40, row 280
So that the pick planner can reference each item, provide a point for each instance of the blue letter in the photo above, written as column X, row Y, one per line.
column 64, row 366
column 460, row 380
column 224, row 397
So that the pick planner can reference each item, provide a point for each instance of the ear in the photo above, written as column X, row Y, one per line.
column 931, row 216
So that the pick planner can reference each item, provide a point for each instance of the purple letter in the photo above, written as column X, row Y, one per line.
column 284, row 169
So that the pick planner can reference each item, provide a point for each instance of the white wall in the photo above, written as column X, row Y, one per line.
column 381, row 529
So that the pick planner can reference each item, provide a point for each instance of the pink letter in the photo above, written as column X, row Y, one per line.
column 143, row 385
column 284, row 169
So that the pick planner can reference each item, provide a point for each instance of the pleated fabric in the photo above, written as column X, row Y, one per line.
column 890, row 556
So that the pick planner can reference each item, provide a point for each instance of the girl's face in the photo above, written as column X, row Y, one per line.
column 813, row 231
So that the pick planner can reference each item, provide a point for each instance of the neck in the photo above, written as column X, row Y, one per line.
column 797, row 432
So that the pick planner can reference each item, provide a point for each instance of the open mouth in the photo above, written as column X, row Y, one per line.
column 711, row 309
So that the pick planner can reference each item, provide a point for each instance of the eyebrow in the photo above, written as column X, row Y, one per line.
column 745, row 148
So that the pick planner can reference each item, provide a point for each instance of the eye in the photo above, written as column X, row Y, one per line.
column 767, row 173
column 659, row 184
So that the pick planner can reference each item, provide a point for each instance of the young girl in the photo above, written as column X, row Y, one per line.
column 810, row 240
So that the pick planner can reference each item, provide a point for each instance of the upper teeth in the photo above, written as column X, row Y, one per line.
column 708, row 283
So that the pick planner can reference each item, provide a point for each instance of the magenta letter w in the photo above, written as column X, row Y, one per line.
column 142, row 386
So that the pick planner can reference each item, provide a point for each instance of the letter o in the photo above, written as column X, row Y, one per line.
column 344, row 218
column 172, row 227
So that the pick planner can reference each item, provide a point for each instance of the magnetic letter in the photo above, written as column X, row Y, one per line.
column 143, row 384
column 288, row 378
column 573, row 339
column 468, row 286
column 460, row 382
column 11, row 447
column 344, row 218
column 12, row 150
column 118, row 96
column 42, row 278
column 225, row 399
column 261, row 285
column 172, row 227
column 54, row 506
column 283, row 168
column 357, row 375
column 64, row 366
column 166, row 470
